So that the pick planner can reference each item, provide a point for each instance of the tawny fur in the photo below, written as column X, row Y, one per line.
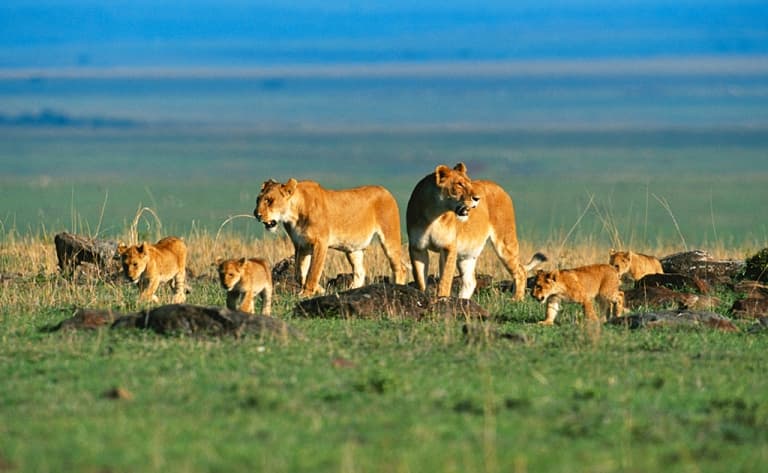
column 455, row 216
column 244, row 279
column 581, row 285
column 149, row 265
column 636, row 264
column 346, row 220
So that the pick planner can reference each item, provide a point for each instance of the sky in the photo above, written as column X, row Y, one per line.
column 213, row 33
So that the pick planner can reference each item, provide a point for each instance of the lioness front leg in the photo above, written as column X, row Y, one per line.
column 448, row 258
column 468, row 281
column 311, row 286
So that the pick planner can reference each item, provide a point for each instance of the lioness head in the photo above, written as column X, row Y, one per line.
column 621, row 260
column 230, row 272
column 545, row 285
column 273, row 202
column 455, row 186
column 134, row 259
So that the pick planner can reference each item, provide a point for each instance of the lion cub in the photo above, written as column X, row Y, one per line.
column 636, row 264
column 581, row 285
column 148, row 265
column 243, row 279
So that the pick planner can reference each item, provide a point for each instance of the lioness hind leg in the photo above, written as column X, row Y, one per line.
column 393, row 253
column 355, row 259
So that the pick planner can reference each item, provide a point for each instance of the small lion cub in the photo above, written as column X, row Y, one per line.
column 636, row 264
column 581, row 285
column 148, row 265
column 243, row 279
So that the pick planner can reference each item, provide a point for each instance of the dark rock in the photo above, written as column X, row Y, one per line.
column 284, row 276
column 752, row 289
column 74, row 250
column 760, row 325
column 389, row 300
column 674, row 281
column 658, row 296
column 87, row 319
column 182, row 319
column 700, row 264
column 756, row 266
column 750, row 308
column 674, row 318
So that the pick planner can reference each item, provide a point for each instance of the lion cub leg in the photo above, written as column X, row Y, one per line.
column 247, row 301
column 148, row 288
column 589, row 310
column 266, row 300
column 355, row 259
column 553, row 307
column 179, row 288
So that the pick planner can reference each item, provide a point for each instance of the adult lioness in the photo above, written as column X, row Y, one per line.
column 451, row 214
column 581, row 285
column 243, row 279
column 148, row 265
column 636, row 264
column 317, row 219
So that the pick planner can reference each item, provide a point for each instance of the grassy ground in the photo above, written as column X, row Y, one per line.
column 366, row 395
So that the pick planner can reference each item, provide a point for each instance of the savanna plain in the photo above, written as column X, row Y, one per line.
column 388, row 393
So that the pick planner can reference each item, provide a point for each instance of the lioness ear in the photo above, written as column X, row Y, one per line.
column 461, row 167
column 290, row 186
column 441, row 173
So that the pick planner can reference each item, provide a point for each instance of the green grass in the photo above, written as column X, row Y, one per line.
column 410, row 396
column 382, row 394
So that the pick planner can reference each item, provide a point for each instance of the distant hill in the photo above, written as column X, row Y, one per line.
column 52, row 118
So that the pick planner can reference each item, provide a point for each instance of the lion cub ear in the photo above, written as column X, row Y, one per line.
column 241, row 262
column 461, row 167
column 612, row 251
column 121, row 249
column 267, row 183
column 290, row 186
column 218, row 261
column 141, row 247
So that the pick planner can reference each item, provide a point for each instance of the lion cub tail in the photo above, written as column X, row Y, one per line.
column 536, row 260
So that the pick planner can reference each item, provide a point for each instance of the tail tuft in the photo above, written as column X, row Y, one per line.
column 536, row 260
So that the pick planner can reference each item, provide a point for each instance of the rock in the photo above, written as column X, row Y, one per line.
column 658, row 296
column 74, row 250
column 183, row 319
column 750, row 308
column 389, row 300
column 674, row 318
column 284, row 276
column 674, row 281
column 87, row 319
column 756, row 266
column 760, row 325
column 752, row 289
column 700, row 264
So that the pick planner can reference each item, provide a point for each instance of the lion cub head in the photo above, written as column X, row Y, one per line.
column 230, row 272
column 456, row 187
column 273, row 202
column 621, row 260
column 546, row 285
column 134, row 259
